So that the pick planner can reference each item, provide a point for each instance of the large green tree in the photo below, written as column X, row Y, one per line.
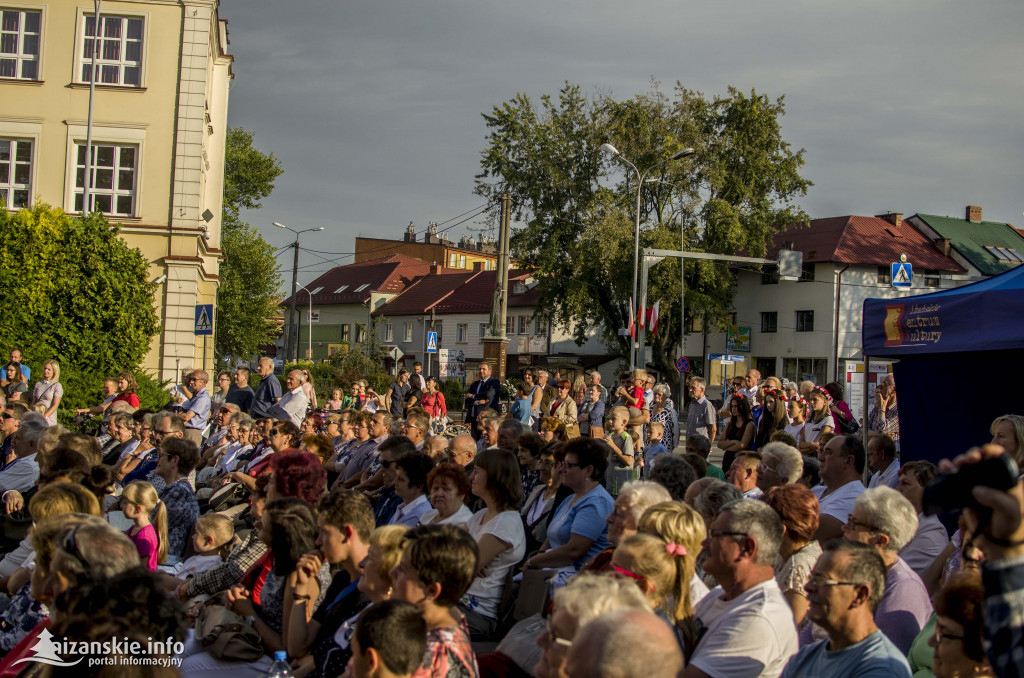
column 576, row 204
column 250, row 275
column 73, row 291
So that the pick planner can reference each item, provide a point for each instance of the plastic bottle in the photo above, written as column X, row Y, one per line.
column 280, row 668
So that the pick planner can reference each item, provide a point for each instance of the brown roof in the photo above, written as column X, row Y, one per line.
column 863, row 240
column 458, row 292
column 353, row 284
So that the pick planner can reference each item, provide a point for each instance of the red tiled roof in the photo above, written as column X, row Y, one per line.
column 462, row 292
column 863, row 240
column 388, row 275
column 427, row 293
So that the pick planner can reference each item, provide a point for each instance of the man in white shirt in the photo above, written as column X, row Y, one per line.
column 294, row 403
column 750, row 389
column 22, row 473
column 882, row 458
column 746, row 625
column 416, row 378
column 842, row 464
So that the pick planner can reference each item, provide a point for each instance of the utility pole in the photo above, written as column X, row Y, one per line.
column 496, row 345
column 293, row 318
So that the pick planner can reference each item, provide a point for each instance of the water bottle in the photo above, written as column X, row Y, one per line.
column 280, row 667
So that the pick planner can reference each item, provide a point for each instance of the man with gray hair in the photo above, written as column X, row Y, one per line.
column 746, row 626
column 22, row 473
column 700, row 415
column 625, row 644
column 595, row 380
column 885, row 520
column 268, row 391
column 293, row 404
column 844, row 591
column 508, row 431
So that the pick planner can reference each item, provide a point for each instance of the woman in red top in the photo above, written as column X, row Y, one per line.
column 433, row 400
column 126, row 389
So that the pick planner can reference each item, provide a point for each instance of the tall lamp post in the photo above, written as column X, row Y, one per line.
column 611, row 150
column 295, row 273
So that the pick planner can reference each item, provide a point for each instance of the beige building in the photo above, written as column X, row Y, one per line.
column 159, row 127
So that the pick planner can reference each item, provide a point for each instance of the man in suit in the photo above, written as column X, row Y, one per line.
column 483, row 393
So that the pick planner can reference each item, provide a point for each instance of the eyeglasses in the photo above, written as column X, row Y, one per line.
column 411, row 426
column 941, row 635
column 8, row 415
column 855, row 524
column 718, row 534
column 555, row 639
column 570, row 464
column 159, row 434
column 764, row 468
column 821, row 580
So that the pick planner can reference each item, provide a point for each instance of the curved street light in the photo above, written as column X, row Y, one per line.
column 614, row 152
column 295, row 273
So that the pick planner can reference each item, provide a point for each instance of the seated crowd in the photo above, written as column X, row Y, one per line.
column 252, row 528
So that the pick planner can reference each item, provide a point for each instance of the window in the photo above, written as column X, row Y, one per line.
column 694, row 324
column 361, row 288
column 765, row 365
column 118, row 50
column 19, row 44
column 408, row 332
column 1006, row 254
column 805, row 321
column 461, row 333
column 802, row 369
column 770, row 275
column 346, row 332
column 389, row 332
column 488, row 265
column 453, row 260
column 462, row 261
column 883, row 275
column 485, row 329
column 341, row 289
column 114, row 168
column 510, row 325
column 807, row 274
column 770, row 322
column 524, row 324
column 15, row 172
column 540, row 326
column 317, row 290
column 931, row 277
column 360, row 333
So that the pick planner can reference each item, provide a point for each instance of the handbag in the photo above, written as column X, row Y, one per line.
column 228, row 496
column 226, row 636
column 572, row 431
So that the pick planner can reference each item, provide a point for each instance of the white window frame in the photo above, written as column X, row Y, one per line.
column 23, row 129
column 510, row 325
column 407, row 336
column 361, row 288
column 524, row 324
column 461, row 332
column 318, row 290
column 19, row 55
column 123, row 134
column 346, row 332
column 341, row 289
column 389, row 332
column 115, row 191
column 462, row 261
column 453, row 259
column 484, row 328
column 10, row 186
column 81, row 61
column 540, row 326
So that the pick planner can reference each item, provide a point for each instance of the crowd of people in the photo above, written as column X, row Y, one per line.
column 587, row 532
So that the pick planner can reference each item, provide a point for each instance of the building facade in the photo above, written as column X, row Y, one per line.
column 158, row 134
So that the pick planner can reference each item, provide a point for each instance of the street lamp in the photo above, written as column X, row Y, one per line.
column 295, row 272
column 309, row 322
column 611, row 150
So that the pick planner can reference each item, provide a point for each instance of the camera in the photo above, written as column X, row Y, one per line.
column 952, row 491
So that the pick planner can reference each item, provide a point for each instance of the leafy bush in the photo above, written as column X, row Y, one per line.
column 454, row 394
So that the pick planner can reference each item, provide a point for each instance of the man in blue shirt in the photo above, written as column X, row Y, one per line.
column 16, row 359
column 268, row 392
column 197, row 409
column 844, row 590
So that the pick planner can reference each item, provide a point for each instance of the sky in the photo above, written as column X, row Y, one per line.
column 374, row 108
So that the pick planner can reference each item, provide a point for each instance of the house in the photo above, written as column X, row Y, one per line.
column 984, row 248
column 158, row 134
column 433, row 248
column 342, row 300
column 813, row 325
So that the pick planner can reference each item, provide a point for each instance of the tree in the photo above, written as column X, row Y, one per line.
column 578, row 231
column 73, row 291
column 250, row 275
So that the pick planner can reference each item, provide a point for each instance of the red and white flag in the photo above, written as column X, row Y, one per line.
column 652, row 317
column 632, row 319
column 642, row 314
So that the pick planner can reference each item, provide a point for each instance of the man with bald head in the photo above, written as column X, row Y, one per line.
column 750, row 389
column 625, row 644
column 293, row 404
column 462, row 450
column 196, row 410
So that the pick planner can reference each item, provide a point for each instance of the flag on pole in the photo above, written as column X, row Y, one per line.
column 642, row 312
column 652, row 317
column 632, row 319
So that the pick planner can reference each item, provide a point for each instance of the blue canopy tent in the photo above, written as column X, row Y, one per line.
column 960, row 359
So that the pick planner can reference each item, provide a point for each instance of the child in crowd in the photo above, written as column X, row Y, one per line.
column 797, row 413
column 633, row 398
column 521, row 407
column 654, row 448
column 138, row 502
column 212, row 538
column 620, row 464
column 334, row 404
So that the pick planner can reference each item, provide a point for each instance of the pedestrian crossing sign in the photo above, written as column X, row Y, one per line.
column 431, row 342
column 902, row 275
column 204, row 319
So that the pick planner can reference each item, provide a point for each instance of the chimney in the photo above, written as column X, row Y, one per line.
column 435, row 268
column 974, row 214
column 894, row 218
column 943, row 245
column 478, row 266
column 410, row 233
column 431, row 235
